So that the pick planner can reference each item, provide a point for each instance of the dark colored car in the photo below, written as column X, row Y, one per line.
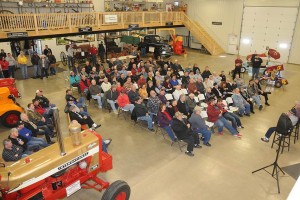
column 156, row 46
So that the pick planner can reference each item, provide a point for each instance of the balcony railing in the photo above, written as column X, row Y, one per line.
column 71, row 21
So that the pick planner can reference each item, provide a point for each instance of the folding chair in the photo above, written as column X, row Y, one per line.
column 122, row 111
column 180, row 144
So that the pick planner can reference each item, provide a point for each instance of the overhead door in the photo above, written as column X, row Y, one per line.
column 268, row 26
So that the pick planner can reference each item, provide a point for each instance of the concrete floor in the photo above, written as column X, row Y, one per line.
column 156, row 171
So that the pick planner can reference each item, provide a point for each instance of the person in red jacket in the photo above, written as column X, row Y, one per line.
column 123, row 101
column 84, row 84
column 4, row 68
column 94, row 52
column 214, row 113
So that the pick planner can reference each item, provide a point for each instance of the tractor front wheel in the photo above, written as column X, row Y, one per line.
column 118, row 190
column 10, row 118
column 278, row 84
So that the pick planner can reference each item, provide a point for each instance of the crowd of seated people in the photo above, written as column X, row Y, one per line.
column 154, row 91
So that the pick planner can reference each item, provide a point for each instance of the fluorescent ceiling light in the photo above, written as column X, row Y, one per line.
column 222, row 56
column 283, row 45
column 246, row 41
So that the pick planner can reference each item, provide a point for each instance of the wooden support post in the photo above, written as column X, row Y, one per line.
column 35, row 24
column 122, row 20
column 69, row 22
column 161, row 19
column 143, row 19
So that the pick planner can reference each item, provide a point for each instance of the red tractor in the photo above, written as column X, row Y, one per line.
column 60, row 170
column 10, row 83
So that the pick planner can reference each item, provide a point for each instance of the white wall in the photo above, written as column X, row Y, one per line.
column 5, row 46
column 230, row 13
column 295, row 48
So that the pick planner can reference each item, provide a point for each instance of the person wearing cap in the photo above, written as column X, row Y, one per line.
column 35, row 62
column 111, row 97
column 254, row 93
column 82, row 119
column 216, row 91
column 32, row 141
column 141, row 113
column 214, row 113
column 292, row 114
column 43, row 101
column 199, row 126
column 123, row 101
column 184, row 132
column 46, row 112
column 80, row 102
column 12, row 152
column 95, row 91
column 241, row 103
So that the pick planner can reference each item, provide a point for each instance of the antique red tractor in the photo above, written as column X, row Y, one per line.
column 59, row 170
column 10, row 83
column 10, row 110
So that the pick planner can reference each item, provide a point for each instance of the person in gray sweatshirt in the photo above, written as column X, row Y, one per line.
column 96, row 92
column 11, row 64
column 199, row 126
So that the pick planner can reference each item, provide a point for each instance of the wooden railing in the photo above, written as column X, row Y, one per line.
column 48, row 21
column 64, row 23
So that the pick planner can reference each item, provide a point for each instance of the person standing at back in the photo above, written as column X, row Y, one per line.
column 22, row 62
column 256, row 64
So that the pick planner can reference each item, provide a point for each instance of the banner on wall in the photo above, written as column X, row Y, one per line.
column 111, row 18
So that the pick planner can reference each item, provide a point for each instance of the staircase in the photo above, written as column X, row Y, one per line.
column 202, row 36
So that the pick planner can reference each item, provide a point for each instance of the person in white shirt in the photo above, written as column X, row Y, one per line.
column 71, row 52
column 178, row 91
column 105, row 85
column 216, row 78
column 11, row 64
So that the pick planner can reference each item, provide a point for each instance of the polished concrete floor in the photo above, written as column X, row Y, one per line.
column 156, row 171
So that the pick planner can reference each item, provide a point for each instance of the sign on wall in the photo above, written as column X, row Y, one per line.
column 111, row 18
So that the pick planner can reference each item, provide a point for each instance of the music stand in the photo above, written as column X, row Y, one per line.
column 275, row 165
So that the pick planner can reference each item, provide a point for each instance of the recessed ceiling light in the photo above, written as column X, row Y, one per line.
column 283, row 45
column 222, row 56
column 246, row 41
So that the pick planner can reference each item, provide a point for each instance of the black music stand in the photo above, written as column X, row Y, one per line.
column 275, row 165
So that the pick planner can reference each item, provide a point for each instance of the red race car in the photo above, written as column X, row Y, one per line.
column 10, row 83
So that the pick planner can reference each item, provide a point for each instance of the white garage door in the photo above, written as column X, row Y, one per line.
column 267, row 26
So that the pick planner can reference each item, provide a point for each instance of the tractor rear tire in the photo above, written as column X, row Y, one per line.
column 10, row 118
column 278, row 84
column 118, row 190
